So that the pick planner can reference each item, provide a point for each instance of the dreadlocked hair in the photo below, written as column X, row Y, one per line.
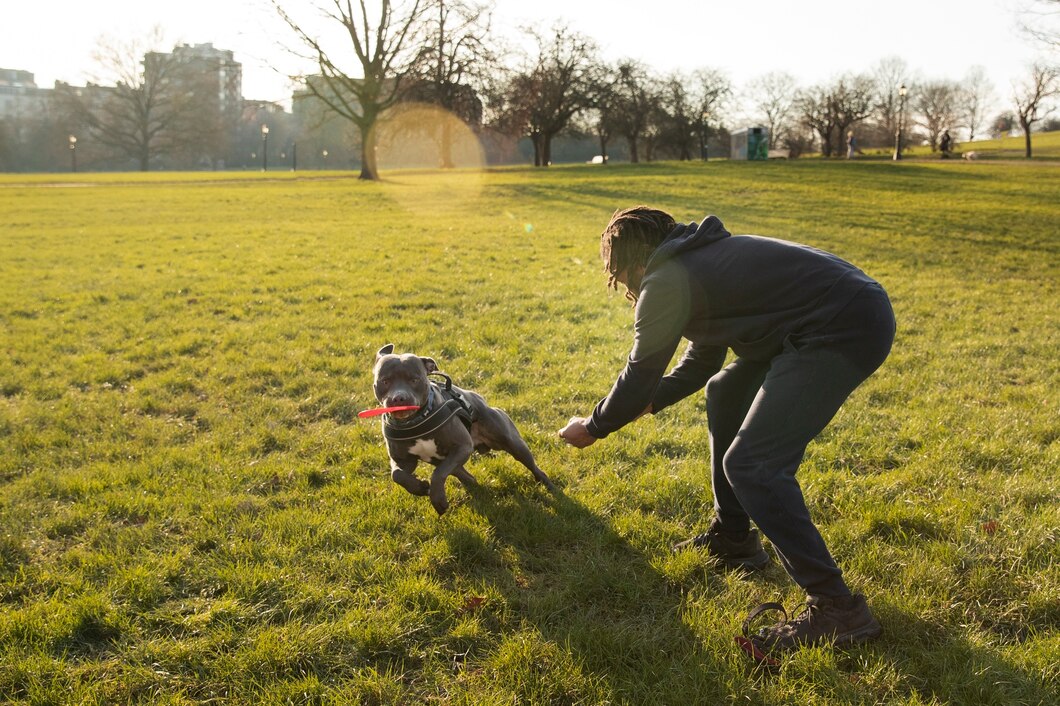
column 630, row 237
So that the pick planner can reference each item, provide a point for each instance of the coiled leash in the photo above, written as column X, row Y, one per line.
column 747, row 643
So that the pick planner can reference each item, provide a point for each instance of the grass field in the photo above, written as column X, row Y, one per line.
column 1044, row 145
column 191, row 512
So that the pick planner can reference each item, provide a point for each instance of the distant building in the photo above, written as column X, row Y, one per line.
column 217, row 66
column 225, row 72
column 30, row 137
column 215, row 79
column 208, row 124
column 19, row 94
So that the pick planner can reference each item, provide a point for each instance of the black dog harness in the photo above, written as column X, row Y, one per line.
column 431, row 416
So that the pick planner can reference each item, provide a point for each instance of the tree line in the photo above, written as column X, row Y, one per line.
column 443, row 52
column 428, row 49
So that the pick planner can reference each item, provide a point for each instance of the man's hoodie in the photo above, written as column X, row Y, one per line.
column 720, row 291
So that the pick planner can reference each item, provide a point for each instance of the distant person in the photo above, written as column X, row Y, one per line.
column 807, row 328
column 945, row 144
column 851, row 146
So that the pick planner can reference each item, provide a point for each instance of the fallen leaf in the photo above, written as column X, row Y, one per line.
column 472, row 604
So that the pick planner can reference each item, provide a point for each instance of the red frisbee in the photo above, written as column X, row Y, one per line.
column 754, row 652
column 386, row 410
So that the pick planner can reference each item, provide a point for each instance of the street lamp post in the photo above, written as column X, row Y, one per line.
column 294, row 156
column 73, row 153
column 264, row 147
column 902, row 90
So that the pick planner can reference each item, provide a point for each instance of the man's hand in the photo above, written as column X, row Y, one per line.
column 579, row 437
column 576, row 434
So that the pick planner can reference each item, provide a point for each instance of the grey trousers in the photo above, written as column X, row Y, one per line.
column 762, row 415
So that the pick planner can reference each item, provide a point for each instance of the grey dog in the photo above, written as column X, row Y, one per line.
column 449, row 424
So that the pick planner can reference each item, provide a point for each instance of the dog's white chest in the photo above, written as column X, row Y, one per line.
column 426, row 449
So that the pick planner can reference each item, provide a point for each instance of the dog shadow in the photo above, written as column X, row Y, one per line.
column 565, row 572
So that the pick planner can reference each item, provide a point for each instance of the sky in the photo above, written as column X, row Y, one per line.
column 814, row 41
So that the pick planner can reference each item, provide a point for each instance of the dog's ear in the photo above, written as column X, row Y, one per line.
column 385, row 350
column 429, row 363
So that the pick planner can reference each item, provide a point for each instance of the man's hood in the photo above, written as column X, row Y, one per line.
column 685, row 237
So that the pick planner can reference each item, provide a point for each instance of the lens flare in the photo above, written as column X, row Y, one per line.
column 429, row 159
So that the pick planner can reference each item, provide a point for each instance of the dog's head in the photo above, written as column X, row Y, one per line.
column 401, row 380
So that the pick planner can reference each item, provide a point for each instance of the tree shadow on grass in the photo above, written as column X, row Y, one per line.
column 568, row 576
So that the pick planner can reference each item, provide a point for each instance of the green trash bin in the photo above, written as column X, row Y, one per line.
column 750, row 143
column 758, row 143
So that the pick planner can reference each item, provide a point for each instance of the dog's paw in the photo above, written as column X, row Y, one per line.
column 540, row 476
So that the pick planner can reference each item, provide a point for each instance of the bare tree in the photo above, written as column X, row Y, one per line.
column 36, row 140
column 659, row 121
column 455, row 58
column 635, row 100
column 600, row 115
column 541, row 99
column 852, row 101
column 680, row 121
column 1040, row 20
column 149, row 112
column 890, row 74
column 935, row 105
column 974, row 100
column 1030, row 96
column 831, row 110
column 815, row 110
column 387, row 50
column 710, row 91
column 772, row 96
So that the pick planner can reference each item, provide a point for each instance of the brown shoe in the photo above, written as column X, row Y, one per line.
column 736, row 550
column 838, row 620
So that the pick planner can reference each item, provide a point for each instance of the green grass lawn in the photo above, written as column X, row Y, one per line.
column 191, row 512
column 1044, row 145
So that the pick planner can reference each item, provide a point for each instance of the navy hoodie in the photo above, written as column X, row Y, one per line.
column 720, row 291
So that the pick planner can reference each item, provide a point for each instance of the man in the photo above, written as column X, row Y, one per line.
column 806, row 327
